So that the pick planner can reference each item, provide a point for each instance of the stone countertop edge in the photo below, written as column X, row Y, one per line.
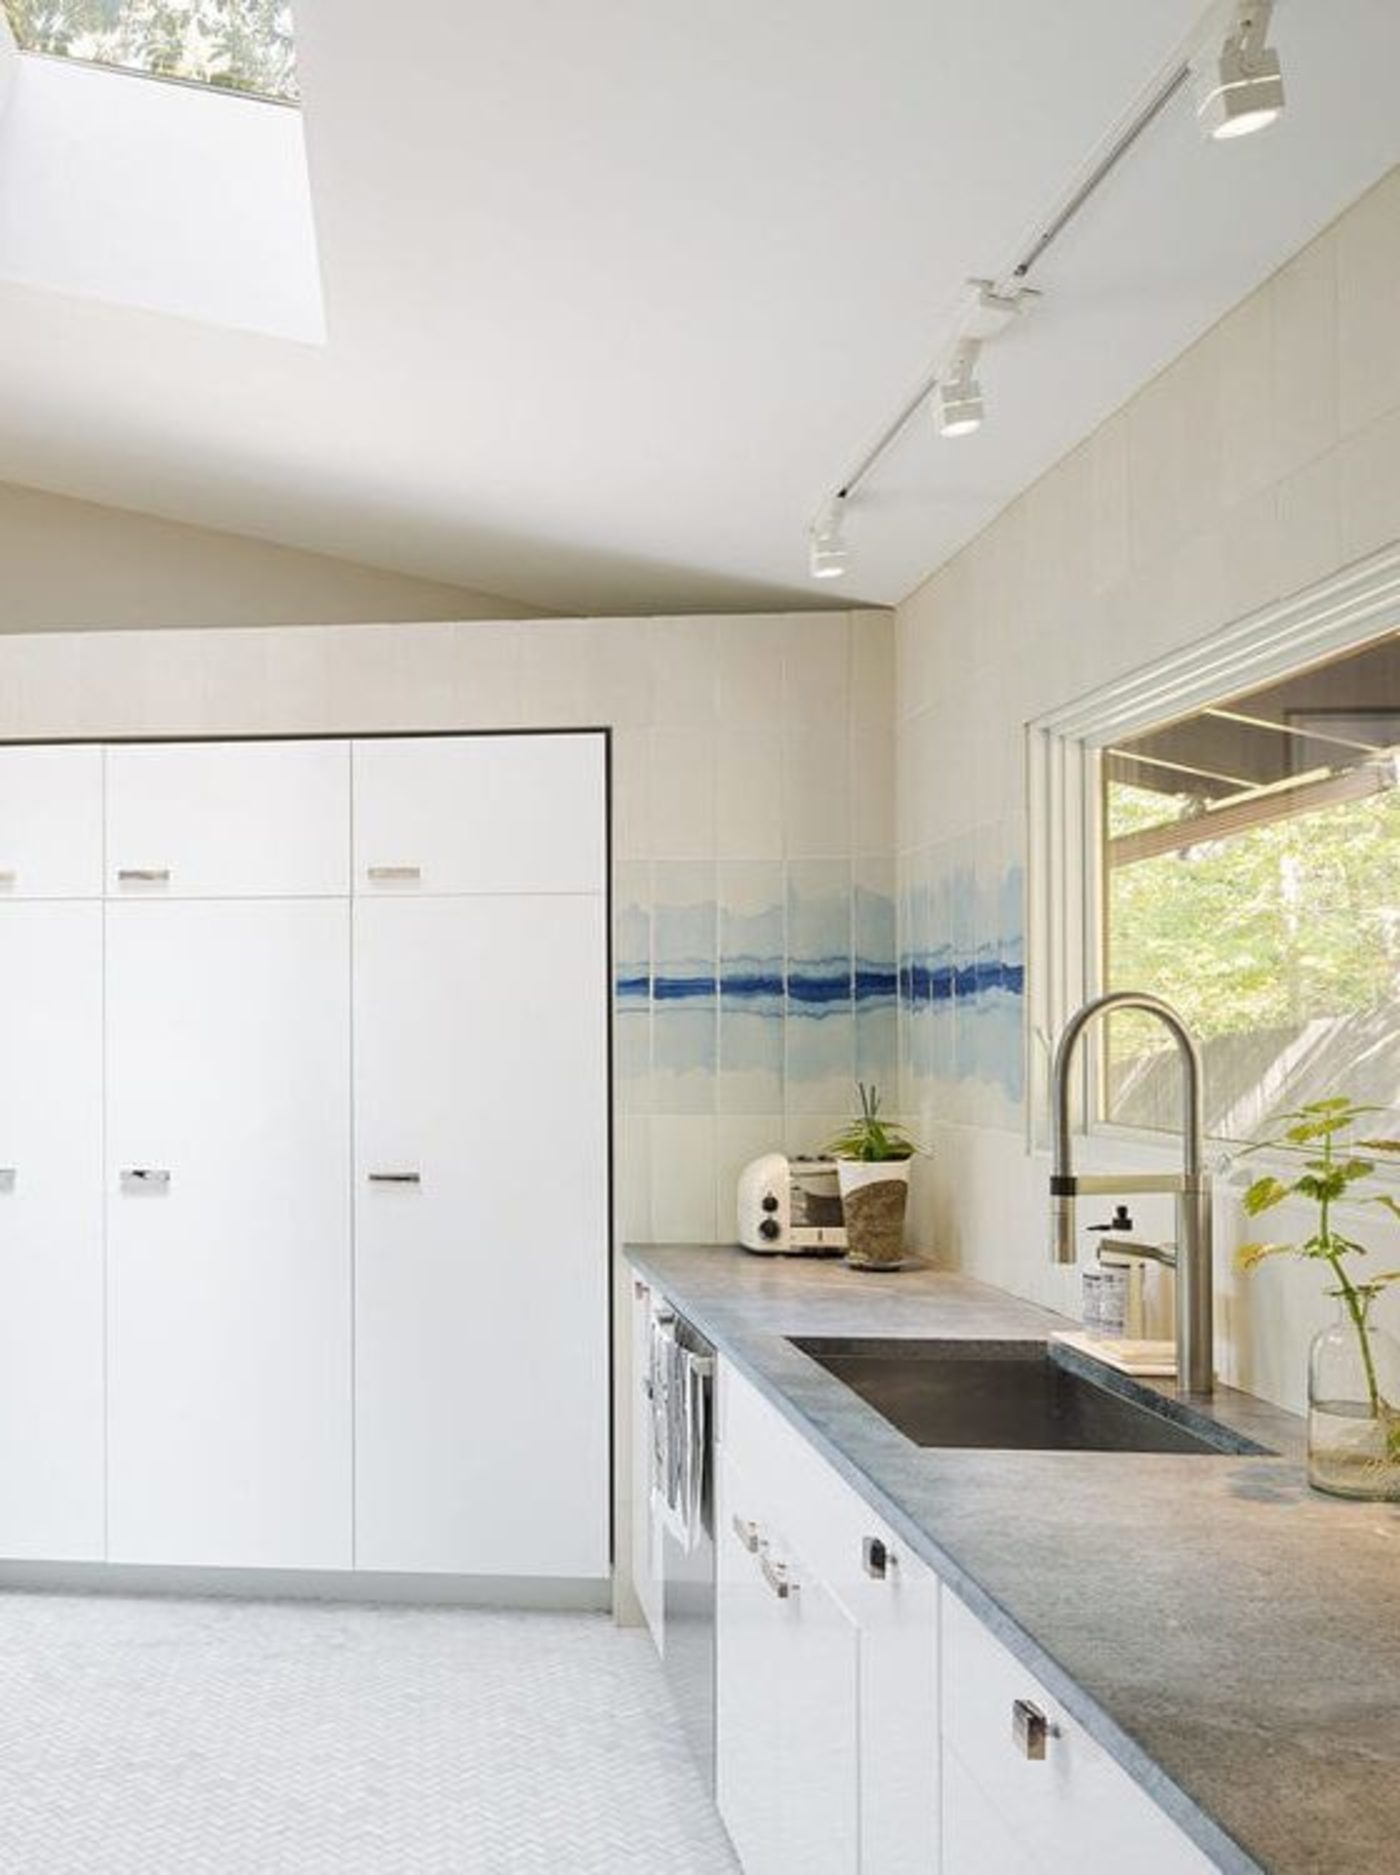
column 757, row 1352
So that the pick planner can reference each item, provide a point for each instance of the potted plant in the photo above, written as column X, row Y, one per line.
column 872, row 1167
column 1354, row 1366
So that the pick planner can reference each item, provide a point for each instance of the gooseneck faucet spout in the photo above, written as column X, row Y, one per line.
column 1194, row 1258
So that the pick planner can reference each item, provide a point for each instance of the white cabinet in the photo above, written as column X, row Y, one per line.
column 861, row 1625
column 788, row 1695
column 51, row 1431
column 50, row 822
column 480, row 814
column 646, row 1536
column 481, row 1233
column 200, row 1362
column 1024, row 1779
column 228, row 1199
column 228, row 819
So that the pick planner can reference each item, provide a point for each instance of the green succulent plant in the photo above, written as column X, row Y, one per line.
column 1338, row 1166
column 868, row 1137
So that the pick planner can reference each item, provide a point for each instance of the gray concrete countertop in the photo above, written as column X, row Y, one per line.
column 1230, row 1636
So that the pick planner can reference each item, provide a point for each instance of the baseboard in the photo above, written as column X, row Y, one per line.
column 572, row 1594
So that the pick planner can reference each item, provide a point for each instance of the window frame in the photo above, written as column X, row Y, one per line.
column 1067, row 900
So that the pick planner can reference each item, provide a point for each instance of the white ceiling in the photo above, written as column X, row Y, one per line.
column 616, row 292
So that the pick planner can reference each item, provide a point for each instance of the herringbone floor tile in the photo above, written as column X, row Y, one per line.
column 277, row 1738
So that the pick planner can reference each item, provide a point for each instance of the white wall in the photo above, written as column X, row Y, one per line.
column 164, row 196
column 77, row 566
column 1267, row 456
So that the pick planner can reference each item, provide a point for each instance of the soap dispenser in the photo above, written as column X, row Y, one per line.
column 1113, row 1302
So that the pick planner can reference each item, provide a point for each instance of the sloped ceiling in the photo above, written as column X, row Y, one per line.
column 615, row 292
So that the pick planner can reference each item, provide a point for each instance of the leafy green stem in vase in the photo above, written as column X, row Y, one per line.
column 1338, row 1167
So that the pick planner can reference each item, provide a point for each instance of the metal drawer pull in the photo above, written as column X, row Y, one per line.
column 775, row 1574
column 145, row 1175
column 1030, row 1728
column 396, row 1178
column 144, row 875
column 395, row 872
column 877, row 1558
column 747, row 1533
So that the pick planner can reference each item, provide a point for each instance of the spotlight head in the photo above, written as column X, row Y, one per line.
column 827, row 552
column 1239, row 83
column 958, row 396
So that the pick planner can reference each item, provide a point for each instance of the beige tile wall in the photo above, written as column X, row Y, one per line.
column 1264, row 458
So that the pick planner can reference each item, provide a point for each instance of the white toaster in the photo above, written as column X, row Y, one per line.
column 791, row 1207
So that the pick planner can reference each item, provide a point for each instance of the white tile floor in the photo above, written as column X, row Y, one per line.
column 224, row 1737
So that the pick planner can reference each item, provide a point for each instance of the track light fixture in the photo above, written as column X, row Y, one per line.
column 1238, row 88
column 827, row 550
column 958, row 395
column 1239, row 84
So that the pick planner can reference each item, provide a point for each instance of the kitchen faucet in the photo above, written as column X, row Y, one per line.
column 1192, row 1257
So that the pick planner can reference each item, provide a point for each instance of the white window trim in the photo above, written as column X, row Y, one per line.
column 1064, row 939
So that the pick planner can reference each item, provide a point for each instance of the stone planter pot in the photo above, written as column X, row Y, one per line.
column 874, row 1198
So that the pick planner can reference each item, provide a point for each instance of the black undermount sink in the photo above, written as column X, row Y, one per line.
column 1026, row 1396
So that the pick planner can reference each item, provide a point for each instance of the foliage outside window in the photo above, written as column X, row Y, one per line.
column 231, row 45
column 1252, row 878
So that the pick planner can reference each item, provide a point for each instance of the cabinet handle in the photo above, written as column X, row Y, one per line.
column 1030, row 1728
column 776, row 1575
column 145, row 1175
column 394, row 872
column 747, row 1533
column 877, row 1558
column 396, row 1178
column 144, row 875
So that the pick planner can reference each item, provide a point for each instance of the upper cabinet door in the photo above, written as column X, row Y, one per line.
column 228, row 820
column 51, row 823
column 450, row 814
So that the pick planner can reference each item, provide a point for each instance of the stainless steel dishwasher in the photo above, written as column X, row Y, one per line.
column 682, row 1380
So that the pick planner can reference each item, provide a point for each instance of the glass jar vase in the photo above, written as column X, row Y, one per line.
column 1354, row 1405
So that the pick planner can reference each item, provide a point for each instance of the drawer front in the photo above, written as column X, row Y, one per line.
column 1055, row 1789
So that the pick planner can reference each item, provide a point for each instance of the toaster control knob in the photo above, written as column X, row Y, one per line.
column 770, row 1201
column 769, row 1228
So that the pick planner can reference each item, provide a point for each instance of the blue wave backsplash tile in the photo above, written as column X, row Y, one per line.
column 786, row 985
column 962, row 971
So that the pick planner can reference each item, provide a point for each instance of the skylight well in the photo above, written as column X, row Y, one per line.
column 228, row 45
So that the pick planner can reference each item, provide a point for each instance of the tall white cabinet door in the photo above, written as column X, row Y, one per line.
column 228, row 1197
column 51, row 1436
column 481, row 1236
column 228, row 819
column 50, row 823
column 480, row 814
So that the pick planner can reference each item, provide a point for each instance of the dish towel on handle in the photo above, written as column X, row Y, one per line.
column 680, row 1407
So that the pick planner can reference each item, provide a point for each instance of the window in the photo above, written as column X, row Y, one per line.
column 231, row 45
column 1222, row 827
column 1251, row 876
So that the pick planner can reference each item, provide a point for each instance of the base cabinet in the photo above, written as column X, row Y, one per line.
column 828, row 1658
column 1023, row 1779
column 788, row 1707
column 868, row 1722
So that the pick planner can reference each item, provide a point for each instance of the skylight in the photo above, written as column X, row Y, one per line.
column 229, row 45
